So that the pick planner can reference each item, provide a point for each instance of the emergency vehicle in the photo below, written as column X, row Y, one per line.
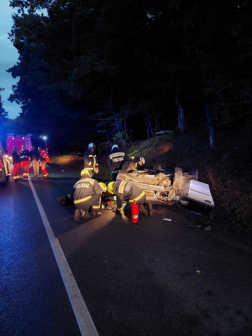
column 27, row 140
column 18, row 140
column 4, row 170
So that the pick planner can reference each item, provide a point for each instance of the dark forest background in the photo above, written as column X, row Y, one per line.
column 110, row 70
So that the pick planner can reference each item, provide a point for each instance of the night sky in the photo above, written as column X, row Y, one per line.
column 8, row 57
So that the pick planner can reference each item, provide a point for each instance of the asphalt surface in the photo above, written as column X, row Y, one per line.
column 157, row 278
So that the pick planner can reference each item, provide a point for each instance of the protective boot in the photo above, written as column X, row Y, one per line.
column 139, row 216
column 96, row 214
column 77, row 215
column 95, row 210
column 143, row 210
column 82, row 213
column 151, row 211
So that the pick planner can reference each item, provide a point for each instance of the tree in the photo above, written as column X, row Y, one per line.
column 3, row 113
column 103, row 65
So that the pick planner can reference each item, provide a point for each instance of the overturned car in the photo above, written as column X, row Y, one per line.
column 163, row 187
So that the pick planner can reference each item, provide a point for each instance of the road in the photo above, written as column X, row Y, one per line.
column 158, row 278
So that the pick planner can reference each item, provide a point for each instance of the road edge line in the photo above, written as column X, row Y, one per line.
column 82, row 315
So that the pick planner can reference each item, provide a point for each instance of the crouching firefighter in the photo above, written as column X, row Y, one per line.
column 86, row 195
column 128, row 192
column 135, row 164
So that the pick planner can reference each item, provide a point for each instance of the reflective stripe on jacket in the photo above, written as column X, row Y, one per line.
column 90, row 161
column 115, row 160
column 126, row 191
column 85, row 188
column 44, row 156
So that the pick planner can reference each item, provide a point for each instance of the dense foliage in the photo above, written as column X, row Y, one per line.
column 97, row 69
column 3, row 113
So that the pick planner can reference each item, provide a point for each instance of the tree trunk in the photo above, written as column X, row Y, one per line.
column 118, row 126
column 149, row 124
column 146, row 125
column 210, row 126
column 210, row 119
column 181, row 117
column 99, row 148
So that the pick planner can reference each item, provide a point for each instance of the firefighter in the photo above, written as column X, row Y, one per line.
column 35, row 156
column 134, row 164
column 24, row 155
column 16, row 161
column 115, row 160
column 86, row 194
column 126, row 191
column 90, row 161
column 44, row 159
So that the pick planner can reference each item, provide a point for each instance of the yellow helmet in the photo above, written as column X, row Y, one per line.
column 85, row 171
column 110, row 188
column 103, row 186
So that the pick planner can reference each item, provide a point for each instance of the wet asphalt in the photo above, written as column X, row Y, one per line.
column 157, row 278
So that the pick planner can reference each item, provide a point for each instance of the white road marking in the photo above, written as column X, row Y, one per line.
column 84, row 320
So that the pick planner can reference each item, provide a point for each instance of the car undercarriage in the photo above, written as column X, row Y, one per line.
column 165, row 187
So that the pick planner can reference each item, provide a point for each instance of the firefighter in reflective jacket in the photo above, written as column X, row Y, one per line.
column 115, row 160
column 126, row 191
column 87, row 193
column 44, row 159
column 90, row 162
column 24, row 156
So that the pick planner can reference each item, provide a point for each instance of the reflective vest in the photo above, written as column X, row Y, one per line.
column 90, row 162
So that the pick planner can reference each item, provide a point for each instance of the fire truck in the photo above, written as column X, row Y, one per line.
column 18, row 140
column 27, row 140
column 12, row 140
column 4, row 166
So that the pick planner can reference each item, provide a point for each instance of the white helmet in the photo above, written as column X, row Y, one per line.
column 91, row 145
column 142, row 159
column 115, row 146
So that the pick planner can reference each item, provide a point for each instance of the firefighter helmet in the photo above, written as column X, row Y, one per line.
column 91, row 145
column 115, row 146
column 103, row 186
column 85, row 171
column 142, row 159
column 110, row 188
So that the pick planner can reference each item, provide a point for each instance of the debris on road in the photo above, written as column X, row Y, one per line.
column 197, row 271
column 208, row 228
column 195, row 213
column 195, row 225
column 167, row 219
